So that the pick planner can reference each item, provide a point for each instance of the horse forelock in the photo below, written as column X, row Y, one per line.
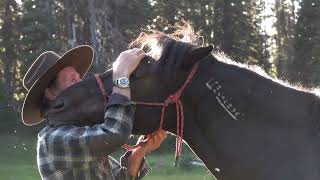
column 159, row 45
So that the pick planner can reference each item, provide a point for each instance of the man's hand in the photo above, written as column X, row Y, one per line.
column 154, row 141
column 124, row 65
column 127, row 62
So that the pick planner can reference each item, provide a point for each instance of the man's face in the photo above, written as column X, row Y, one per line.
column 67, row 77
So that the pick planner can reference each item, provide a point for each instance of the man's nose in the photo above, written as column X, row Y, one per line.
column 76, row 77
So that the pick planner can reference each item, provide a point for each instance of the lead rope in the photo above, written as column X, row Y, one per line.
column 103, row 91
column 172, row 99
column 105, row 159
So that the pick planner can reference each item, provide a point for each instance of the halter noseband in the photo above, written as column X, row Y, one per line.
column 171, row 99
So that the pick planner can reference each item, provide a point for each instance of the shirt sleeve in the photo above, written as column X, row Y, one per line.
column 121, row 171
column 75, row 145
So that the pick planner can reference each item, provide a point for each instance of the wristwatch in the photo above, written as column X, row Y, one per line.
column 122, row 82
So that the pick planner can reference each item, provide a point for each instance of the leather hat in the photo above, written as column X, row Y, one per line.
column 43, row 70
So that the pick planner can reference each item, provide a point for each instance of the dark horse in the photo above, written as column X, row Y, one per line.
column 243, row 125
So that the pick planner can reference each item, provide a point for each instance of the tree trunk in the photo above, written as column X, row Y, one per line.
column 9, row 56
column 227, row 28
column 70, row 26
column 95, row 41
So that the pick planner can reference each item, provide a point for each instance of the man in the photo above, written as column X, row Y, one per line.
column 81, row 152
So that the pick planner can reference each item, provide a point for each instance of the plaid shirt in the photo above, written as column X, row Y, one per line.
column 71, row 152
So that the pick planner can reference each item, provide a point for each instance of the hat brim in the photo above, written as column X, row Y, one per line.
column 80, row 58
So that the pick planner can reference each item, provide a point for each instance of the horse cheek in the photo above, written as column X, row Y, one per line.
column 93, row 109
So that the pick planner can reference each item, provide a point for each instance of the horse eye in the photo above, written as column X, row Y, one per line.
column 149, row 62
column 58, row 105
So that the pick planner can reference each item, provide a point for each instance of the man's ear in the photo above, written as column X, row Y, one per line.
column 196, row 55
column 49, row 94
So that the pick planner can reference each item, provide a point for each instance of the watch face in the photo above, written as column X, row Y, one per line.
column 124, row 82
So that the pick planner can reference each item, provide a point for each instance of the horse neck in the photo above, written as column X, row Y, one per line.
column 244, row 94
column 220, row 91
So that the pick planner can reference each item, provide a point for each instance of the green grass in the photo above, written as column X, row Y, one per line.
column 175, row 173
column 18, row 158
column 162, row 167
column 18, row 161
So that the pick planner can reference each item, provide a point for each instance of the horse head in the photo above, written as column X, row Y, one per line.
column 158, row 75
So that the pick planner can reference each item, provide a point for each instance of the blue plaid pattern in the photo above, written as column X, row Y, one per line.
column 72, row 152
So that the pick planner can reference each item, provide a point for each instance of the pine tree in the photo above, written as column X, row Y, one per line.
column 9, row 57
column 108, row 26
column 200, row 14
column 39, row 29
column 306, row 65
column 165, row 14
column 285, row 22
column 237, row 31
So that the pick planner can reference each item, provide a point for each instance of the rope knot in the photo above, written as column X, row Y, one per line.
column 171, row 99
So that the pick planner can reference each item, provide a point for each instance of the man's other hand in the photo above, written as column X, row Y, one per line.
column 153, row 142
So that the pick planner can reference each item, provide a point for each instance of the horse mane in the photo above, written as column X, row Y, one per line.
column 258, row 70
column 157, row 45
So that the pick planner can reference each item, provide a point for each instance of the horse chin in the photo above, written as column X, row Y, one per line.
column 140, row 132
column 137, row 130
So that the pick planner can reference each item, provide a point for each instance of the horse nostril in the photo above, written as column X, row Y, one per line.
column 59, row 104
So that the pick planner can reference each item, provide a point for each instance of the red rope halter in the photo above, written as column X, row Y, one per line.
column 172, row 99
column 103, row 91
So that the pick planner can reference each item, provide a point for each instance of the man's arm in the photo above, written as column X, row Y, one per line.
column 84, row 144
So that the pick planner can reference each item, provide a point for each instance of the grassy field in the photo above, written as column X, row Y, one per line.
column 18, row 161
column 17, row 157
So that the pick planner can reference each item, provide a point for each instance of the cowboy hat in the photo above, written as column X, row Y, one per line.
column 43, row 70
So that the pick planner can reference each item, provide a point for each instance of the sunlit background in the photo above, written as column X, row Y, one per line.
column 281, row 36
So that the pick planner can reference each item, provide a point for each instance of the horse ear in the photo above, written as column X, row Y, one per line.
column 196, row 55
column 199, row 41
column 136, row 43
